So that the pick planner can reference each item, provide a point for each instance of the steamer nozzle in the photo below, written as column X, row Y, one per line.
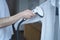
column 38, row 11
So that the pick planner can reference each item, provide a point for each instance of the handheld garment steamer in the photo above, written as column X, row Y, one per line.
column 38, row 11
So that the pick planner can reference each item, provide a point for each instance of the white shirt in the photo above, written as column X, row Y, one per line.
column 5, row 33
column 48, row 21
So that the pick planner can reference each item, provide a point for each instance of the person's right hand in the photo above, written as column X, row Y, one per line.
column 27, row 14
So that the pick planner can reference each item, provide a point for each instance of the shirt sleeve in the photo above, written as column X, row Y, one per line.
column 4, row 11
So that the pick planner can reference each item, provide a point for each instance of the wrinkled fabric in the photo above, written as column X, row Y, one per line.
column 53, row 2
column 48, row 21
column 5, row 33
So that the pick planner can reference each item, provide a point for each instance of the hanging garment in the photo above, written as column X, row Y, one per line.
column 48, row 21
column 5, row 33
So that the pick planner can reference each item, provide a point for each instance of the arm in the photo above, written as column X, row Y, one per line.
column 10, row 20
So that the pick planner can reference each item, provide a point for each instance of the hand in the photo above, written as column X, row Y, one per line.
column 27, row 14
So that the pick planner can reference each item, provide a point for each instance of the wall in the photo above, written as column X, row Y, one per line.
column 22, row 5
column 12, row 6
column 41, row 1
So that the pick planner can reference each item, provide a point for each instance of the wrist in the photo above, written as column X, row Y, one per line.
column 21, row 15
